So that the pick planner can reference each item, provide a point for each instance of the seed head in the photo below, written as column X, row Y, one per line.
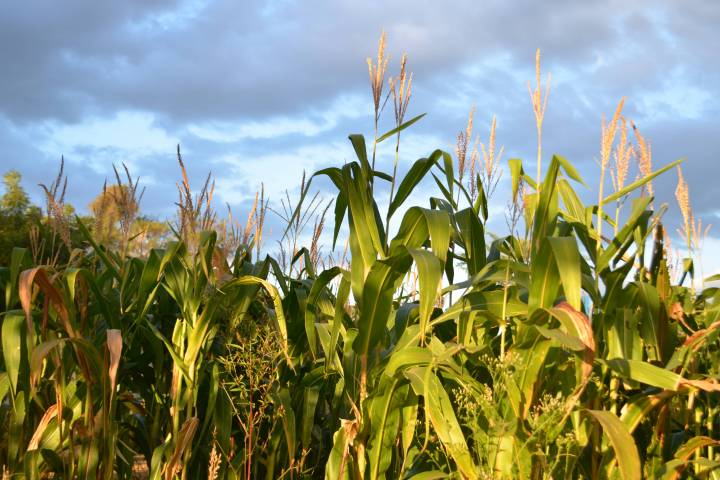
column 683, row 198
column 623, row 153
column 491, row 161
column 377, row 74
column 608, row 132
column 401, row 88
column 461, row 146
column 539, row 103
column 644, row 157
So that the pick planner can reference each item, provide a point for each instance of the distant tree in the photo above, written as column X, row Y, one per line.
column 17, row 216
column 109, row 208
column 116, row 222
column 25, row 225
column 14, row 201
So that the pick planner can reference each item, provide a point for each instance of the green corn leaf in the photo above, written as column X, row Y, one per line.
column 109, row 264
column 282, row 399
column 624, row 237
column 341, row 206
column 399, row 129
column 516, row 172
column 512, row 459
column 383, row 176
column 713, row 278
column 92, row 360
column 639, row 183
column 567, row 258
column 14, row 347
column 569, row 169
column 639, row 407
column 279, row 317
column 409, row 413
column 546, row 213
column 433, row 475
column 531, row 362
column 622, row 443
column 673, row 469
column 413, row 177
column 406, row 357
column 480, row 205
column 339, row 465
column 440, row 413
column 70, row 276
column 438, row 224
column 650, row 327
column 222, row 418
column 430, row 273
column 568, row 341
column 150, row 274
column 385, row 422
column 358, row 143
column 449, row 173
column 646, row 373
column 4, row 385
column 545, row 279
column 200, row 334
column 473, row 235
column 310, row 400
column 313, row 302
column 492, row 302
column 177, row 359
column 447, row 194
column 574, row 208
column 363, row 224
column 377, row 299
column 340, row 301
column 19, row 260
column 419, row 224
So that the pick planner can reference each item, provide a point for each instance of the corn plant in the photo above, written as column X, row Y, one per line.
column 567, row 347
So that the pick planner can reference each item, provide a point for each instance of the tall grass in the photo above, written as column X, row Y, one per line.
column 440, row 351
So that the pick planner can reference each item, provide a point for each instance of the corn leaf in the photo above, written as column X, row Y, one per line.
column 622, row 443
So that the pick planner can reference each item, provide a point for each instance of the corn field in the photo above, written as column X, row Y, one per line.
column 571, row 346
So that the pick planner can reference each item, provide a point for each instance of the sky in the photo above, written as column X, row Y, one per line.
column 258, row 92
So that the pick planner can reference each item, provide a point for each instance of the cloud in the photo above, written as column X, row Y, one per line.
column 259, row 91
column 308, row 124
column 99, row 142
column 212, row 60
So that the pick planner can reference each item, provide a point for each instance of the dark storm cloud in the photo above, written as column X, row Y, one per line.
column 187, row 61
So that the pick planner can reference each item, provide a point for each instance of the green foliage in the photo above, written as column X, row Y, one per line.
column 17, row 216
column 554, row 354
column 14, row 201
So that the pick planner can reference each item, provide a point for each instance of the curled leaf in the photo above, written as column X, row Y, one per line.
column 114, row 344
column 44, row 421
column 184, row 441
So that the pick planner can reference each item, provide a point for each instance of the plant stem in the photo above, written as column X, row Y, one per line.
column 539, row 156
column 504, row 310
column 392, row 184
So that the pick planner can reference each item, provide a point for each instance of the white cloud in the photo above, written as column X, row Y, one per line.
column 101, row 142
column 676, row 99
column 176, row 18
column 277, row 171
column 308, row 124
column 709, row 257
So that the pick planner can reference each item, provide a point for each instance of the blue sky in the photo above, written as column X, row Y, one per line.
column 260, row 91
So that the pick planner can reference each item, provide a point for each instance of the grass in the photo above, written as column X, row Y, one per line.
column 565, row 347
